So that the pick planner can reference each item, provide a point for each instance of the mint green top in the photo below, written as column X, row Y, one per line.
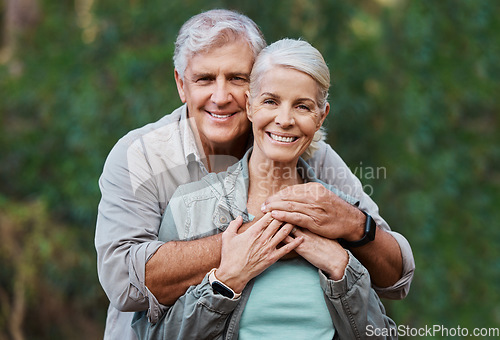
column 287, row 302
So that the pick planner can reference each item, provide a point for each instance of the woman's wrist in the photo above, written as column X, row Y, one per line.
column 337, row 269
column 234, row 281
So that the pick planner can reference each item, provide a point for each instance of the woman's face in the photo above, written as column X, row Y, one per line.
column 285, row 114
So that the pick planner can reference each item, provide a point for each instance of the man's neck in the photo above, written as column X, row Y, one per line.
column 220, row 157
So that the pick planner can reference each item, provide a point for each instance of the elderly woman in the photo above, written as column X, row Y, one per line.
column 274, row 281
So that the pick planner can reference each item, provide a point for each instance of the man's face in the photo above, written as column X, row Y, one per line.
column 214, row 88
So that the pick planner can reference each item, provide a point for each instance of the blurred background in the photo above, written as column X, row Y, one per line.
column 415, row 115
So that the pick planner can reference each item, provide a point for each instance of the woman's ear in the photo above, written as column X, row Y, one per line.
column 323, row 117
column 248, row 108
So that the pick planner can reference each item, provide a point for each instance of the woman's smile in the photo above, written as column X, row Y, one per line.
column 282, row 138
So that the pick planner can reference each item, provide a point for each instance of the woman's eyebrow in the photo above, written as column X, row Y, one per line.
column 269, row 94
column 300, row 100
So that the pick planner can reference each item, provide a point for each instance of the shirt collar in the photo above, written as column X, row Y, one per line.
column 189, row 138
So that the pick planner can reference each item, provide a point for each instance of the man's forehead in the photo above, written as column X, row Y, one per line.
column 216, row 63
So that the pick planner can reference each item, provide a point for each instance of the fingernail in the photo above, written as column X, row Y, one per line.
column 263, row 207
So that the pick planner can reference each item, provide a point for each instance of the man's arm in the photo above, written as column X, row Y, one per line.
column 177, row 265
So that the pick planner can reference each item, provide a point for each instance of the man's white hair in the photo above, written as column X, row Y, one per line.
column 211, row 29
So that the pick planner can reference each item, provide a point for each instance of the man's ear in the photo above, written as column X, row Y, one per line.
column 322, row 120
column 247, row 99
column 180, row 86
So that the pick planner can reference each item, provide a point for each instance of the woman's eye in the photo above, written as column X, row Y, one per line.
column 269, row 102
column 303, row 107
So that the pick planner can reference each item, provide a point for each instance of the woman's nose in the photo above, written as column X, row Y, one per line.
column 284, row 118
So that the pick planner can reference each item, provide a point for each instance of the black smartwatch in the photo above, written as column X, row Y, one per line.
column 220, row 287
column 370, row 228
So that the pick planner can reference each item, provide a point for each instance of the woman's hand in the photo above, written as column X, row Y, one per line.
column 323, row 253
column 247, row 254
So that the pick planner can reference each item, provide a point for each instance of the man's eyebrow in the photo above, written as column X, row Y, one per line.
column 239, row 74
column 202, row 75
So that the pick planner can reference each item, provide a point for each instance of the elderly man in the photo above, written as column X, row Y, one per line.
column 213, row 59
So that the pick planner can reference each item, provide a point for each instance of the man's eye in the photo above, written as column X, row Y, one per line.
column 239, row 80
column 203, row 80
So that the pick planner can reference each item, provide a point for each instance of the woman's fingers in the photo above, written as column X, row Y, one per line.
column 262, row 224
column 279, row 234
column 270, row 231
column 291, row 244
column 235, row 224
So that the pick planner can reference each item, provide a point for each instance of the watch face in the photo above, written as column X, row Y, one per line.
column 221, row 289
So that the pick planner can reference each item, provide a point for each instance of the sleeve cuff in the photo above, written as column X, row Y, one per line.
column 400, row 289
column 354, row 272
column 204, row 296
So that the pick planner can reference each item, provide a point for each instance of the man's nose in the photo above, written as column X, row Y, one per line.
column 221, row 94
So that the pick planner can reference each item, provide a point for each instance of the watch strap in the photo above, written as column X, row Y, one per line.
column 220, row 287
column 369, row 235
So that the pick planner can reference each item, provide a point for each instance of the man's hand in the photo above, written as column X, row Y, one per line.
column 314, row 207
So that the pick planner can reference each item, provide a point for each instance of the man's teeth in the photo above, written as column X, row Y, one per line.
column 281, row 138
column 219, row 116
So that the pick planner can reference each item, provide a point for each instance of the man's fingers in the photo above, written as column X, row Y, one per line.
column 299, row 193
column 295, row 218
column 296, row 193
column 290, row 206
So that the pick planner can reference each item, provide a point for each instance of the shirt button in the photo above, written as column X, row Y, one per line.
column 222, row 219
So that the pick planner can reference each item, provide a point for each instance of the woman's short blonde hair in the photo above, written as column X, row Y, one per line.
column 301, row 56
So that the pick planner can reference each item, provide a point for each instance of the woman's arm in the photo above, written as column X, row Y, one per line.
column 355, row 307
column 357, row 312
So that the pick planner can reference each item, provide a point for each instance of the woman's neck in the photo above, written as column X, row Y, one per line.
column 266, row 178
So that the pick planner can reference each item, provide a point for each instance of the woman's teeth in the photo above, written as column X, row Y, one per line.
column 281, row 138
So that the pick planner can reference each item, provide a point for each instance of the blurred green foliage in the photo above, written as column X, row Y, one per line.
column 414, row 92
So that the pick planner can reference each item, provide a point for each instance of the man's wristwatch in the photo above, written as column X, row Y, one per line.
column 220, row 287
column 370, row 228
